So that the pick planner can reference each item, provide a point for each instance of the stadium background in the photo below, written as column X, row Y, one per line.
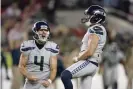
column 64, row 19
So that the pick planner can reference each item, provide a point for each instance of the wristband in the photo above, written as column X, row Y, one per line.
column 50, row 81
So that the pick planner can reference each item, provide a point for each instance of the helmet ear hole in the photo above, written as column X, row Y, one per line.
column 35, row 35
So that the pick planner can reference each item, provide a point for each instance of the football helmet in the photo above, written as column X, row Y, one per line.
column 41, row 25
column 94, row 14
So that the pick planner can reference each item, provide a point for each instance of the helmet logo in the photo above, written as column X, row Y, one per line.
column 44, row 27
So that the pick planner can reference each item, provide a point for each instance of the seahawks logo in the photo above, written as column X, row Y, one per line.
column 96, row 30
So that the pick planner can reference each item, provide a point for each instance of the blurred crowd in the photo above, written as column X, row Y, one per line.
column 18, row 16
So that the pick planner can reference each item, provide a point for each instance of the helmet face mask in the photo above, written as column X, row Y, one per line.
column 43, row 36
column 94, row 14
column 41, row 32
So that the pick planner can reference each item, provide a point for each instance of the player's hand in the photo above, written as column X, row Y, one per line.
column 45, row 83
column 75, row 59
column 32, row 78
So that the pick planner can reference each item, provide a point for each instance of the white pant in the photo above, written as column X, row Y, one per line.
column 84, row 69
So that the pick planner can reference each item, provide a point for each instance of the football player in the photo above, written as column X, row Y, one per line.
column 38, row 60
column 86, row 62
column 112, row 56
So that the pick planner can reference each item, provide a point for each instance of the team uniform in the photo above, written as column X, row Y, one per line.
column 87, row 68
column 112, row 56
column 38, row 61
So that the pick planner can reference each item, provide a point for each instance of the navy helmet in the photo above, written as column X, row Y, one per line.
column 94, row 14
column 41, row 25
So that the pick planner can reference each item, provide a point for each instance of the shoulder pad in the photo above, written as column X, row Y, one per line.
column 26, row 46
column 97, row 30
column 54, row 48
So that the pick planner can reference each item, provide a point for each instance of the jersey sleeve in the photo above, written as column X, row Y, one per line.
column 25, row 48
